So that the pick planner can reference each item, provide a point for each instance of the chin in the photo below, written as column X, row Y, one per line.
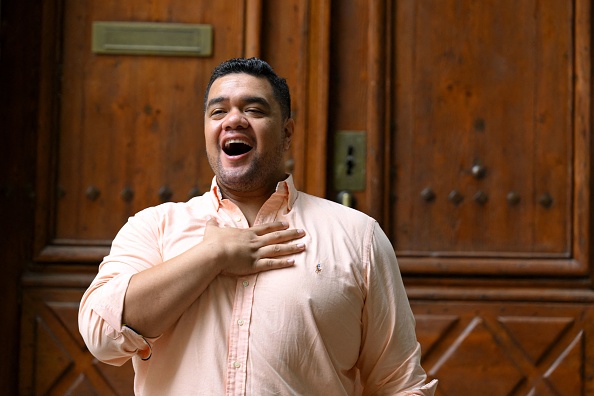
column 240, row 180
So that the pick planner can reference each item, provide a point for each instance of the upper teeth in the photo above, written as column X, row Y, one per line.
column 231, row 141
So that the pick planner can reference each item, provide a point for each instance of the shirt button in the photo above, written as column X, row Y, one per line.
column 237, row 365
column 240, row 322
column 238, row 219
column 245, row 283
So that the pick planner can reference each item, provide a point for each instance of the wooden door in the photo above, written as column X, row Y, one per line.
column 491, row 193
column 478, row 122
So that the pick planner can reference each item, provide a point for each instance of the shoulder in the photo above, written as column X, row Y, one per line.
column 168, row 212
column 195, row 204
column 335, row 221
column 330, row 210
column 331, row 215
column 158, row 212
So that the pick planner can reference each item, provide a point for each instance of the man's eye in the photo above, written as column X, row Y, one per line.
column 216, row 112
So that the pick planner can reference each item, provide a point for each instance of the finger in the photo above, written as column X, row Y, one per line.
column 270, row 264
column 278, row 250
column 267, row 228
column 281, row 236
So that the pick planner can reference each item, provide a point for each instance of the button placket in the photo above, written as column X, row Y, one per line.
column 239, row 334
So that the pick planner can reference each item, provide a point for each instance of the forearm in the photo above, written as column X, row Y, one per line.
column 158, row 296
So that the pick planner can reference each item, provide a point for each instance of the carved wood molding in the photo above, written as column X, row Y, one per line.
column 512, row 349
column 494, row 266
column 501, row 294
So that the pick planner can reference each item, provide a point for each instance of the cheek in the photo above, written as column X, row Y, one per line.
column 211, row 137
column 273, row 144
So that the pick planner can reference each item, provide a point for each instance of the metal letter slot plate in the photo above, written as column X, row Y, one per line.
column 350, row 149
column 152, row 38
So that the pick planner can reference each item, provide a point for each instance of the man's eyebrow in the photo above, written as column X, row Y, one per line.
column 256, row 99
column 216, row 100
column 245, row 99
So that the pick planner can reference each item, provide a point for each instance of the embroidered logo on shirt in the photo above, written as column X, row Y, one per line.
column 318, row 268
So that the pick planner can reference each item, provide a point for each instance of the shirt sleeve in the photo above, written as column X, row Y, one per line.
column 390, row 358
column 134, row 249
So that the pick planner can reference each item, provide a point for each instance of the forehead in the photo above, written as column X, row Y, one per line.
column 240, row 84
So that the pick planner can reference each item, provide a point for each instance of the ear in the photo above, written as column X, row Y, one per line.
column 289, row 129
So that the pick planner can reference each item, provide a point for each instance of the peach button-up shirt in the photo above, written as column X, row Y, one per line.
column 336, row 323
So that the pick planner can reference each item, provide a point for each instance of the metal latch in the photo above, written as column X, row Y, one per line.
column 350, row 149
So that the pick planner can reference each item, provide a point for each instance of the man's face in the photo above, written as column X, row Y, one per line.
column 246, row 135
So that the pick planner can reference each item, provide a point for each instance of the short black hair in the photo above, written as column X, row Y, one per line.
column 257, row 68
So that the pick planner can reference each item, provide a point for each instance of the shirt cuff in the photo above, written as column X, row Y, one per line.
column 144, row 348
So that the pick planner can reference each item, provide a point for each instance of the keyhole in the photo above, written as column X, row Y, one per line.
column 350, row 160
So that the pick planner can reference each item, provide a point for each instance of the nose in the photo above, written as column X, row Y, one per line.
column 234, row 120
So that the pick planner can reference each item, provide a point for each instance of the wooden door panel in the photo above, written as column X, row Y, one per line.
column 506, row 349
column 131, row 126
column 55, row 360
column 128, row 128
column 483, row 145
column 488, row 139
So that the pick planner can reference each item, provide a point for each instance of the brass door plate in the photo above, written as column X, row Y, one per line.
column 350, row 153
column 152, row 38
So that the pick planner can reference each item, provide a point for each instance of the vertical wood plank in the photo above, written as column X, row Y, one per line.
column 316, row 116
column 284, row 47
column 295, row 42
column 349, row 97
column 583, row 215
column 253, row 28
column 376, row 111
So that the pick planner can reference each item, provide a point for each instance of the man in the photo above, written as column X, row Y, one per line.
column 253, row 288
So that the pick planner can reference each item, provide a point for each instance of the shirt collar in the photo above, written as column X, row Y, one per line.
column 285, row 187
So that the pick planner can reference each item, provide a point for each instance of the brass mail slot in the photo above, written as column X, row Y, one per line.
column 152, row 38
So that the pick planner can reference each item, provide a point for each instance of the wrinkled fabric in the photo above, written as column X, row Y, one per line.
column 336, row 323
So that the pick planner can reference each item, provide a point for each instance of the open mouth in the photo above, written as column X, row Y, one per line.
column 235, row 147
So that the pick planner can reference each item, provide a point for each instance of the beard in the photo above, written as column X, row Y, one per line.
column 261, row 172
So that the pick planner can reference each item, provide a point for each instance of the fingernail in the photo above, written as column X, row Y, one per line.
column 300, row 245
column 285, row 224
column 290, row 261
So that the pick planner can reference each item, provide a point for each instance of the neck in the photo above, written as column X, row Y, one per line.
column 248, row 202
